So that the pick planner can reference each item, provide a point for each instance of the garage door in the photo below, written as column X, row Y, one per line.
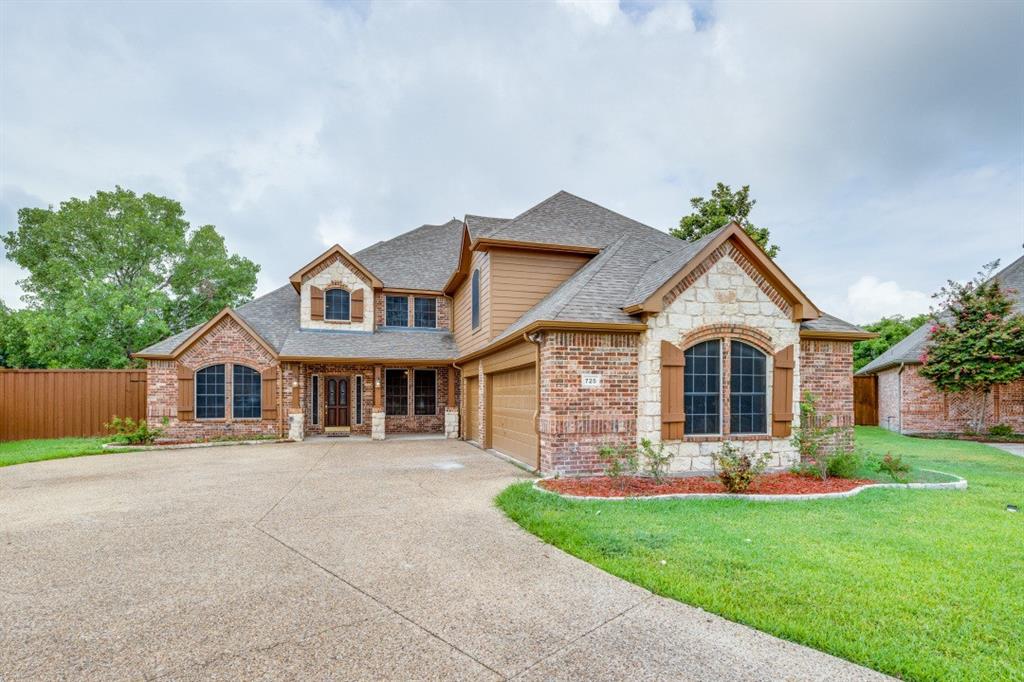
column 471, row 410
column 513, row 404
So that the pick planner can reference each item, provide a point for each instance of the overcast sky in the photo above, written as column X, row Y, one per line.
column 884, row 142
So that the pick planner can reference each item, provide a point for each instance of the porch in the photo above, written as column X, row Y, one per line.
column 374, row 401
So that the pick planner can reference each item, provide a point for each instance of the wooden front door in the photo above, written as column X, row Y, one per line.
column 337, row 401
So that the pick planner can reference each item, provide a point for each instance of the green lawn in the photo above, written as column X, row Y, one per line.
column 921, row 584
column 21, row 451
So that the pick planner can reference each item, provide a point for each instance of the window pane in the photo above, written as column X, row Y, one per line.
column 700, row 396
column 316, row 400
column 475, row 294
column 397, row 311
column 336, row 304
column 245, row 393
column 425, row 312
column 426, row 391
column 210, row 396
column 359, row 399
column 747, row 395
column 396, row 392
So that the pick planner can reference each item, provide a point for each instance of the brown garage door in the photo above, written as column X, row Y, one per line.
column 513, row 405
column 471, row 410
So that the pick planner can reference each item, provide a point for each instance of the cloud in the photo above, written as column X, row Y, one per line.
column 869, row 299
column 288, row 125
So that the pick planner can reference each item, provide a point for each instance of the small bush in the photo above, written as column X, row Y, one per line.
column 894, row 466
column 1001, row 431
column 656, row 460
column 127, row 431
column 844, row 464
column 621, row 461
column 737, row 470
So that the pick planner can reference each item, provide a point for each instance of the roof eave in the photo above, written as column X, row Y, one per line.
column 199, row 333
column 837, row 335
column 485, row 244
column 296, row 278
column 551, row 325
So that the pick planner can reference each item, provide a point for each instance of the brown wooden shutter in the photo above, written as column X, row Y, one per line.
column 673, row 418
column 268, row 397
column 357, row 305
column 782, row 393
column 316, row 303
column 186, row 393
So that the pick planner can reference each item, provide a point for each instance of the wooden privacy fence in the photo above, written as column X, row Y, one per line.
column 53, row 403
column 865, row 400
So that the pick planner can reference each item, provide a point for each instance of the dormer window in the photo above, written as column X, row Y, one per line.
column 337, row 305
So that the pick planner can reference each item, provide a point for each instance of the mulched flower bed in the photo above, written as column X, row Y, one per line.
column 768, row 484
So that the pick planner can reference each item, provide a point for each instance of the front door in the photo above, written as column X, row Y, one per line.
column 337, row 402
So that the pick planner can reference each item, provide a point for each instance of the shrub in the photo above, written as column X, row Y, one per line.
column 894, row 466
column 127, row 431
column 656, row 460
column 621, row 461
column 810, row 438
column 737, row 470
column 1001, row 431
column 844, row 464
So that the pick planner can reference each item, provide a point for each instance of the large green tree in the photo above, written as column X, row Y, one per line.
column 113, row 273
column 976, row 343
column 724, row 206
column 890, row 330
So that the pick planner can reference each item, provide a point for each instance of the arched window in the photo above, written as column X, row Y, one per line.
column 336, row 304
column 702, row 382
column 475, row 298
column 210, row 395
column 245, row 393
column 748, row 389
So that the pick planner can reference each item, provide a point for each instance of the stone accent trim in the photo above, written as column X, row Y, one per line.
column 331, row 260
column 740, row 332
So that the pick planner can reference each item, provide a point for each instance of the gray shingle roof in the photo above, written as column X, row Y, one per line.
column 421, row 259
column 482, row 226
column 910, row 349
column 665, row 267
column 829, row 323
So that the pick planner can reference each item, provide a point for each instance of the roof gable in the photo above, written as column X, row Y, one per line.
column 185, row 340
column 649, row 293
column 334, row 252
column 422, row 259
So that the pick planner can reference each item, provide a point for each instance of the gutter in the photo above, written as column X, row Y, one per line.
column 534, row 338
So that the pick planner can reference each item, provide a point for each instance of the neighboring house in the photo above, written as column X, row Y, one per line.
column 909, row 403
column 542, row 337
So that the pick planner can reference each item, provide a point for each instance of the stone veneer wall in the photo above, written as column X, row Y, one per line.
column 927, row 410
column 227, row 342
column 827, row 372
column 336, row 272
column 726, row 292
column 576, row 421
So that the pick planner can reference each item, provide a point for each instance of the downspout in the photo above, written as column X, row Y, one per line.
column 535, row 338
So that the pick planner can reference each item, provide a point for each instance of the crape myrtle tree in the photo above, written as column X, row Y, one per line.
column 976, row 342
column 112, row 274
column 724, row 206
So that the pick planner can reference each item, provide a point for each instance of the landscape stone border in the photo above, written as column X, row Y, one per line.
column 958, row 484
column 115, row 447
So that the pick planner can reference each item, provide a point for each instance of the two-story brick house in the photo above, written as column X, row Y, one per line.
column 541, row 337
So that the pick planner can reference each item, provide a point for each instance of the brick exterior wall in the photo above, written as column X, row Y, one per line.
column 826, row 370
column 574, row 421
column 228, row 343
column 924, row 409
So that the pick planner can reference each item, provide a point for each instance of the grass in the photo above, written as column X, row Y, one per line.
column 920, row 584
column 22, row 451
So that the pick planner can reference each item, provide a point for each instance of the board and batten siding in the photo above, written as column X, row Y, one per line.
column 467, row 338
column 520, row 279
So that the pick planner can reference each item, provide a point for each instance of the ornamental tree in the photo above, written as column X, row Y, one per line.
column 976, row 342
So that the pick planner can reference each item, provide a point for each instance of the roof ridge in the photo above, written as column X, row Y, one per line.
column 407, row 234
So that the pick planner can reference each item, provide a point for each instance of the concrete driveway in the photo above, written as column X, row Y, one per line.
column 330, row 559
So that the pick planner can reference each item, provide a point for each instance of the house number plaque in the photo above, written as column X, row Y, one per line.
column 591, row 380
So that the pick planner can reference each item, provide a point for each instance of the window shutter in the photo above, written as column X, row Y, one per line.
column 316, row 303
column 268, row 393
column 357, row 305
column 673, row 418
column 186, row 393
column 782, row 393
